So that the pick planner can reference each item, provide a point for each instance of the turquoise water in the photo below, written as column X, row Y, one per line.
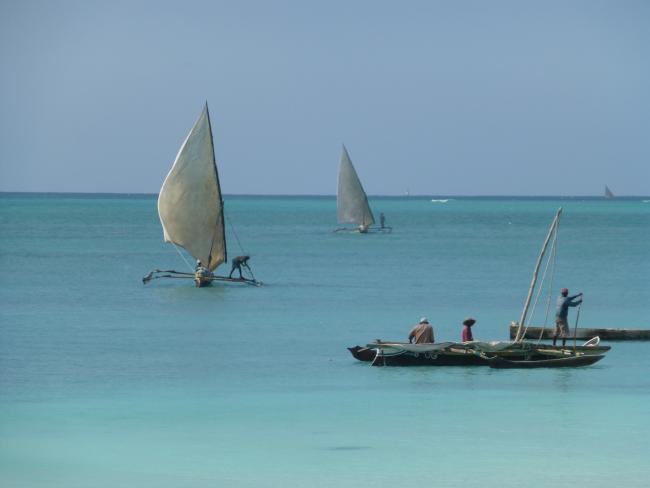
column 105, row 382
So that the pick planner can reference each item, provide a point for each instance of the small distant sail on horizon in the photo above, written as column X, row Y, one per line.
column 190, row 208
column 352, row 201
column 608, row 192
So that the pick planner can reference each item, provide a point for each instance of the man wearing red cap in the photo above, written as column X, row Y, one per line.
column 561, row 324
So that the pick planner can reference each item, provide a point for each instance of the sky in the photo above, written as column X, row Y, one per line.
column 430, row 97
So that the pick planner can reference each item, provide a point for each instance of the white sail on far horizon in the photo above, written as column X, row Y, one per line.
column 608, row 192
column 352, row 202
column 190, row 204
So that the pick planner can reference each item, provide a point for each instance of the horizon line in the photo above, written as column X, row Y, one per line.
column 331, row 195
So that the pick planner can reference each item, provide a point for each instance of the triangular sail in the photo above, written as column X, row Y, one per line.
column 608, row 192
column 352, row 201
column 190, row 203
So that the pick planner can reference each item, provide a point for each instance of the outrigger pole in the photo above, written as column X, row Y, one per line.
column 156, row 273
column 533, row 282
column 170, row 273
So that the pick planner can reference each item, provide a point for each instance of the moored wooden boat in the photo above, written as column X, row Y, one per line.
column 441, row 354
column 583, row 333
column 362, row 353
column 475, row 353
column 557, row 362
column 528, row 354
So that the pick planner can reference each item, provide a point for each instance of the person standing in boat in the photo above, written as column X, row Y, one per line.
column 561, row 315
column 422, row 333
column 382, row 220
column 237, row 264
column 466, row 335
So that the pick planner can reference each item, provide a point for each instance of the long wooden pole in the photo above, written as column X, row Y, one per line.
column 575, row 329
column 533, row 282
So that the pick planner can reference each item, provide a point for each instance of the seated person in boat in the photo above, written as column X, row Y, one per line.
column 200, row 270
column 561, row 324
column 237, row 264
column 363, row 228
column 422, row 333
column 466, row 335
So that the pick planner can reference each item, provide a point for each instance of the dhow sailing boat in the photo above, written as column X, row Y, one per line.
column 496, row 354
column 608, row 192
column 190, row 207
column 351, row 200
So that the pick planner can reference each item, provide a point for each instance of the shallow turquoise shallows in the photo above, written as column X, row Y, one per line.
column 106, row 382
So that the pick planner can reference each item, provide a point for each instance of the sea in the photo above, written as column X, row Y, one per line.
column 108, row 382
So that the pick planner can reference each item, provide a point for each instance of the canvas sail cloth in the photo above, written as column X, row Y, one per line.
column 608, row 192
column 190, row 204
column 351, row 200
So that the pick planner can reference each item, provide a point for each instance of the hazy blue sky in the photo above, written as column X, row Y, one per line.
column 457, row 97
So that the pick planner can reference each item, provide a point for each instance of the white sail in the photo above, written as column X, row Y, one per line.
column 352, row 201
column 608, row 192
column 190, row 203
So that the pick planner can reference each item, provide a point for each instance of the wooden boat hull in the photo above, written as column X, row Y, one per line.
column 587, row 333
column 462, row 354
column 564, row 362
column 201, row 282
column 362, row 353
column 428, row 359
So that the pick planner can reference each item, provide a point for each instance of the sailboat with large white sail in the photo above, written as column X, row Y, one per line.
column 608, row 192
column 190, row 206
column 351, row 199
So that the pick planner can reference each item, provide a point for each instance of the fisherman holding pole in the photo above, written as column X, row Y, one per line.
column 237, row 264
column 561, row 323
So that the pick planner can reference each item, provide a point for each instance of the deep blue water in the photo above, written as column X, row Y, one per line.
column 105, row 382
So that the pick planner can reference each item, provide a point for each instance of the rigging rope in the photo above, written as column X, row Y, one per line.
column 232, row 228
column 183, row 257
column 550, row 286
column 541, row 286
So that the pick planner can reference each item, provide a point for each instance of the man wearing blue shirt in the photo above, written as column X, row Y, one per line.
column 561, row 324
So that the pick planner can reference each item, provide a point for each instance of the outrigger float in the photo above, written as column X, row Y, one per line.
column 498, row 354
column 190, row 207
column 605, row 334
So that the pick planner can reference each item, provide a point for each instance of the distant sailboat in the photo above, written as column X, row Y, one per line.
column 190, row 207
column 608, row 192
column 351, row 200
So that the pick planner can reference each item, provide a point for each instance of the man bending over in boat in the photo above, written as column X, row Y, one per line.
column 561, row 324
column 237, row 264
column 422, row 333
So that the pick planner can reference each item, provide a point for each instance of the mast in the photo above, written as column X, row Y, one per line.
column 222, row 220
column 533, row 282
